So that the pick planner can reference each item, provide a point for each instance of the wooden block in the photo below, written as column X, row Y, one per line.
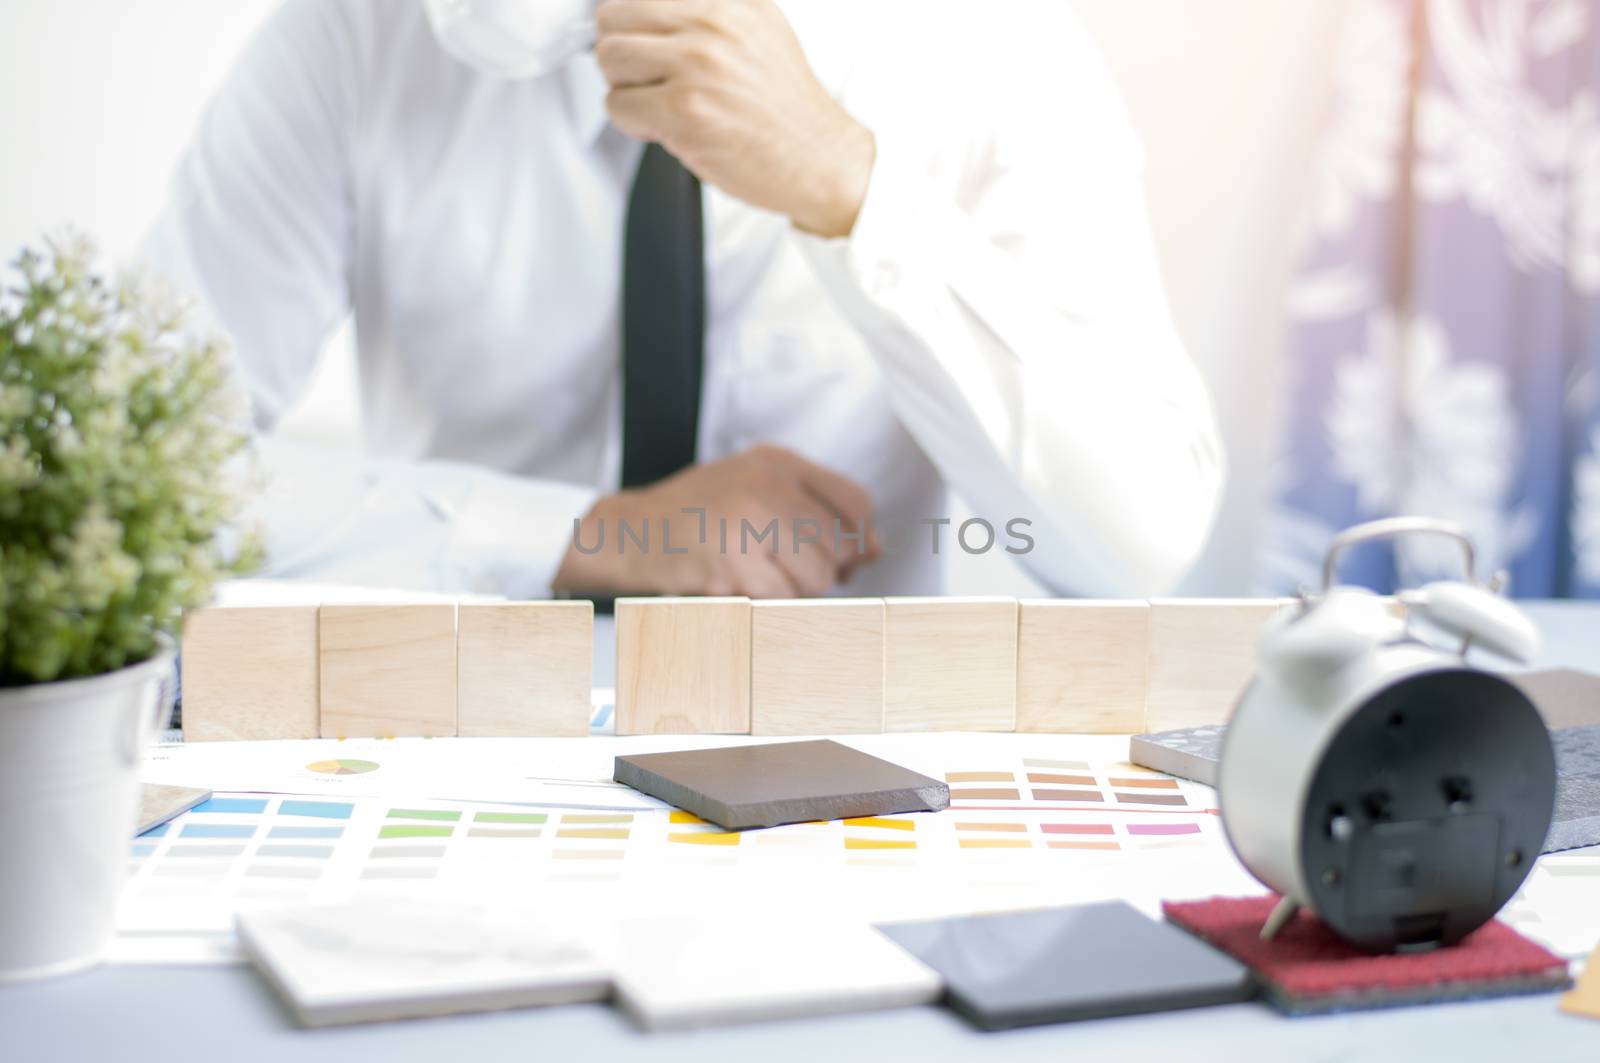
column 816, row 666
column 683, row 666
column 950, row 664
column 1082, row 666
column 524, row 669
column 250, row 673
column 388, row 670
column 1202, row 653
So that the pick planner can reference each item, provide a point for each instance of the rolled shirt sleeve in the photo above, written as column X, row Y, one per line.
column 1013, row 302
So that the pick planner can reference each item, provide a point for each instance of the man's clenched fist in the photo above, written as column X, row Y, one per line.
column 724, row 86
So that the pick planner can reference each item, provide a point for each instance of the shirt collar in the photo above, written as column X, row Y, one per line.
column 586, row 96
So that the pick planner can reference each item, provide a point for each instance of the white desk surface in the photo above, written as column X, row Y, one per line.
column 130, row 1014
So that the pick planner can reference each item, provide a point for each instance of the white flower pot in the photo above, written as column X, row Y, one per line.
column 69, row 802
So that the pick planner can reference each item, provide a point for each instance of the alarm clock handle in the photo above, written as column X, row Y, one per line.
column 1393, row 528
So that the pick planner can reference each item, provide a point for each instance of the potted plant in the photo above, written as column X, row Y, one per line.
column 118, row 443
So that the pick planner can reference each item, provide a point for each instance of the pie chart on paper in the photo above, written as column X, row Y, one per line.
column 342, row 767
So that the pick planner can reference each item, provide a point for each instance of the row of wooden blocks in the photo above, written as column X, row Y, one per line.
column 349, row 671
column 720, row 665
column 843, row 666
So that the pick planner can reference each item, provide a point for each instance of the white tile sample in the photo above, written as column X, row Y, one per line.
column 399, row 959
column 684, row 973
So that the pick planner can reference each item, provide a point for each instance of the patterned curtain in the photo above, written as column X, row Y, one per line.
column 1444, row 322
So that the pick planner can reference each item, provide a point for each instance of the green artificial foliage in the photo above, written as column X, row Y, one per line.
column 121, row 442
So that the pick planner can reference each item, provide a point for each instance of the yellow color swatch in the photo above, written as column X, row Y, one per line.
column 995, row 843
column 610, row 833
column 680, row 816
column 881, row 821
column 705, row 839
column 880, row 843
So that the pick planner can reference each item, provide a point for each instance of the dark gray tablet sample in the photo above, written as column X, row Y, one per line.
column 1087, row 961
column 784, row 782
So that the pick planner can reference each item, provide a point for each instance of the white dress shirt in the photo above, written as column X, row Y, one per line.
column 995, row 323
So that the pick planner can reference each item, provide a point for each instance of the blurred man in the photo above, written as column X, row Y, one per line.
column 874, row 250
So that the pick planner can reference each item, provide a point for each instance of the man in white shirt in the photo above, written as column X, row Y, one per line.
column 926, row 267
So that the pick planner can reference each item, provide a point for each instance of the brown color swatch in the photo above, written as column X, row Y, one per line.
column 1068, row 795
column 1003, row 828
column 985, row 795
column 1153, row 799
column 1067, row 780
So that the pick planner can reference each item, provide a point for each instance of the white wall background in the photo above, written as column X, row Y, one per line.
column 100, row 96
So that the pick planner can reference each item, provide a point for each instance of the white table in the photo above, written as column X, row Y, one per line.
column 224, row 1014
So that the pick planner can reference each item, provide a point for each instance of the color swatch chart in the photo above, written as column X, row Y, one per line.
column 1003, row 845
column 1044, row 783
column 251, row 836
column 190, row 877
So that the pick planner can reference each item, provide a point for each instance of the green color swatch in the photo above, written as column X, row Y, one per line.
column 424, row 813
column 415, row 832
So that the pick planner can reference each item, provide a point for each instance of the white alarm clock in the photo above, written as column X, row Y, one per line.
column 1372, row 775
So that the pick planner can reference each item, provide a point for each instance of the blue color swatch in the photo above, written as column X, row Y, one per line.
column 305, row 832
column 322, row 809
column 217, row 830
column 249, row 805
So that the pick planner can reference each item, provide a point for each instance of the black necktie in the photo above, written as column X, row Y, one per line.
column 663, row 319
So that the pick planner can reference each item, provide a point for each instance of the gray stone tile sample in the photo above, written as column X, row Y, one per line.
column 1064, row 964
column 784, row 782
column 1188, row 752
column 1577, row 818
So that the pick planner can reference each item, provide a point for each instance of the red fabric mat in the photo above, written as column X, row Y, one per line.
column 1309, row 968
